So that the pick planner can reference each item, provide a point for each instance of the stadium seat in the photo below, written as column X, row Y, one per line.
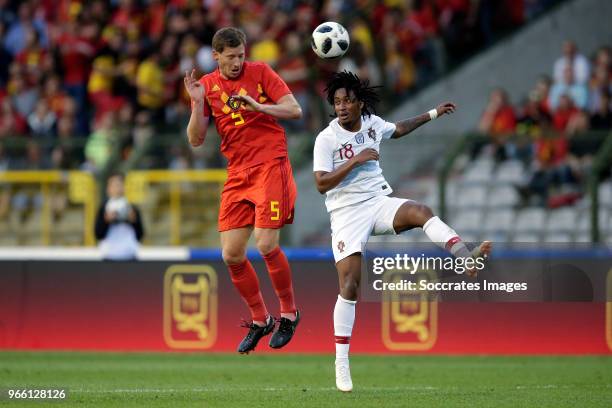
column 530, row 219
column 563, row 219
column 510, row 171
column 605, row 194
column 479, row 171
column 496, row 236
column 584, row 202
column 9, row 239
column 452, row 193
column 474, row 196
column 502, row 196
column 499, row 220
column 584, row 220
column 432, row 197
column 467, row 220
column 528, row 237
column 69, row 229
column 30, row 232
column 582, row 237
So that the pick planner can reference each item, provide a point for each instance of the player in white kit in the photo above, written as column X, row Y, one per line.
column 346, row 169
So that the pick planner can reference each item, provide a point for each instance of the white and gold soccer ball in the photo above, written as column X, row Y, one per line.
column 120, row 206
column 330, row 40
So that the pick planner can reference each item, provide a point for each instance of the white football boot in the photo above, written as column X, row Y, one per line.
column 343, row 376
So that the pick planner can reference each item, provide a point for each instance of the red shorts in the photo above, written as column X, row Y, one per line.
column 262, row 195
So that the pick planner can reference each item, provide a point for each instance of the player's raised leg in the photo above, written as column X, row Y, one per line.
column 244, row 278
column 413, row 214
column 267, row 241
column 349, row 276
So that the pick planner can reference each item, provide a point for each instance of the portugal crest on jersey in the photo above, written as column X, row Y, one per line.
column 372, row 133
column 359, row 138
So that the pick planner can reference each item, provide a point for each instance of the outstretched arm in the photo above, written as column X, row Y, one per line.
column 285, row 108
column 198, row 123
column 403, row 127
column 327, row 180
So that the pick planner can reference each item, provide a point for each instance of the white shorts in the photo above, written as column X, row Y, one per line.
column 352, row 225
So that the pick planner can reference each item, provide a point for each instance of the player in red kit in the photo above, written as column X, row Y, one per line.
column 245, row 100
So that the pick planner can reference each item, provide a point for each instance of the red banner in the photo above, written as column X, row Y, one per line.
column 158, row 306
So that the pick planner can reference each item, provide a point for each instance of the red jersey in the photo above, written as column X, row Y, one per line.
column 247, row 138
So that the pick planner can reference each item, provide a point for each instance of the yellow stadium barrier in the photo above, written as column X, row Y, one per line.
column 179, row 207
column 77, row 186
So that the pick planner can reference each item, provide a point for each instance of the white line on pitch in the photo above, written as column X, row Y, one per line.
column 283, row 389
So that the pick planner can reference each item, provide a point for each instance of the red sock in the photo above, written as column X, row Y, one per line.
column 280, row 275
column 245, row 280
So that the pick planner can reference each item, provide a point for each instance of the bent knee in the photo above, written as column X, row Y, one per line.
column 233, row 257
column 424, row 211
column 420, row 214
column 349, row 289
column 265, row 246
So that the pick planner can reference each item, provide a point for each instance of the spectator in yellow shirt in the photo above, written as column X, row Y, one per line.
column 150, row 83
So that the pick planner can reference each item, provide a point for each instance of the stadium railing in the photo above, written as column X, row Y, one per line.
column 39, row 187
column 602, row 161
column 179, row 207
column 159, row 151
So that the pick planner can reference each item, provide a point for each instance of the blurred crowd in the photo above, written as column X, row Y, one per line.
column 81, row 79
column 548, row 131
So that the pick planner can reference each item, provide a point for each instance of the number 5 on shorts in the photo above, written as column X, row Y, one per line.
column 274, row 210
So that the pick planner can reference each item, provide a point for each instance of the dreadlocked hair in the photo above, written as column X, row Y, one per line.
column 362, row 90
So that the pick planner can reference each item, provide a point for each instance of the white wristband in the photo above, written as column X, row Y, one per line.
column 433, row 114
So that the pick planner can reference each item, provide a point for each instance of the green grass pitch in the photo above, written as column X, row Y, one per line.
column 225, row 380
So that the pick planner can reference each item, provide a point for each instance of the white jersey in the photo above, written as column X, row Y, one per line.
column 335, row 145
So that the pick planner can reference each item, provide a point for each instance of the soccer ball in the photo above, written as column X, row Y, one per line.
column 330, row 40
column 119, row 205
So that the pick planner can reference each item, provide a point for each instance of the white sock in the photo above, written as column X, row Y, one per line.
column 344, row 318
column 445, row 237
